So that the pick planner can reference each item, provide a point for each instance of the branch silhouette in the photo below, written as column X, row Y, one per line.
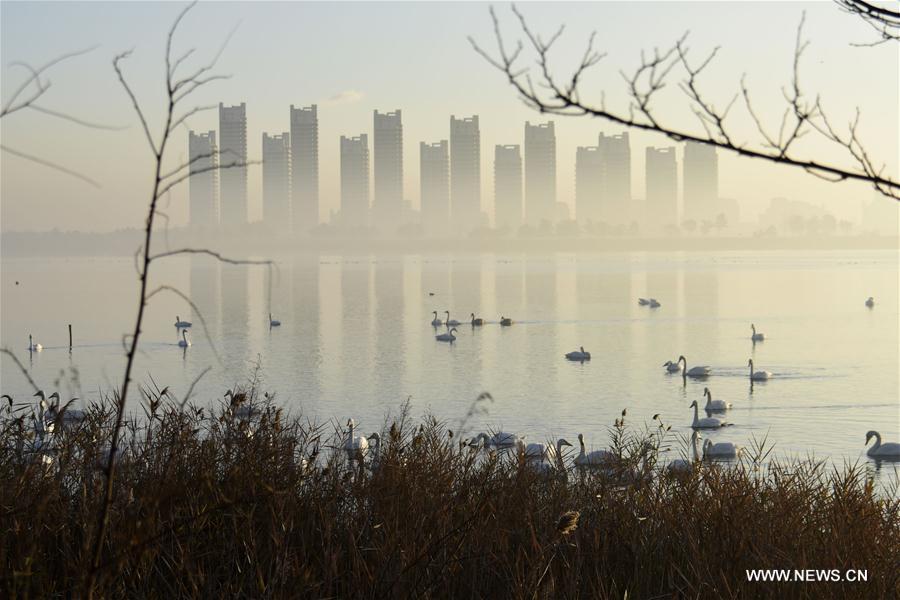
column 547, row 93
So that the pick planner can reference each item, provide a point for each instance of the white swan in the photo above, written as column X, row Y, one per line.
column 756, row 337
column 435, row 322
column 500, row 440
column 32, row 347
column 181, row 324
column 450, row 322
column 540, row 451
column 654, row 303
column 720, row 450
column 643, row 302
column 579, row 355
column 705, row 423
column 477, row 322
column 505, row 321
column 65, row 417
column 356, row 447
column 870, row 302
column 758, row 375
column 890, row 450
column 683, row 465
column 594, row 459
column 695, row 372
column 714, row 405
column 446, row 337
column 672, row 367
column 184, row 342
column 273, row 322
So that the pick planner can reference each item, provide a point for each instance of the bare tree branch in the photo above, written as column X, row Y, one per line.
column 50, row 165
column 883, row 20
column 801, row 116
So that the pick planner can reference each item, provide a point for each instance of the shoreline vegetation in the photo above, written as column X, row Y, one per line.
column 257, row 240
column 242, row 500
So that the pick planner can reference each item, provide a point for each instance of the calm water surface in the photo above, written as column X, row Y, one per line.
column 356, row 338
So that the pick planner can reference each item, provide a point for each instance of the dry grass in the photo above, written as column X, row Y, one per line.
column 212, row 505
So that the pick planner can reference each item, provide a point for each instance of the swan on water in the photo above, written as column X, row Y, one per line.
column 65, row 417
column 672, row 367
column 579, row 354
column 356, row 447
column 436, row 322
column 758, row 375
column 870, row 302
column 446, row 337
column 450, row 322
column 756, row 337
column 683, row 465
column 695, row 372
column 184, row 342
column 181, row 324
column 505, row 321
column 707, row 422
column 273, row 322
column 890, row 450
column 477, row 322
column 593, row 459
column 540, row 451
column 654, row 303
column 714, row 405
column 643, row 302
column 720, row 450
column 32, row 347
column 500, row 440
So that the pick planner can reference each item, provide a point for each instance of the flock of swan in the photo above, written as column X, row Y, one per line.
column 719, row 450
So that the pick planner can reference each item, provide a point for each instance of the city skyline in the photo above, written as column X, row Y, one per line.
column 430, row 86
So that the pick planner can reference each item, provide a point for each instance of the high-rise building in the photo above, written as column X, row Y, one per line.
column 355, row 181
column 434, row 161
column 204, row 179
column 700, row 181
column 305, row 167
column 588, row 184
column 508, row 187
column 615, row 206
column 276, row 167
column 465, row 173
column 540, row 173
column 233, row 151
column 662, row 187
column 388, row 170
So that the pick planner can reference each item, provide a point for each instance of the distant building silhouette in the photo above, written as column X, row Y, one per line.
column 701, row 182
column 508, row 187
column 233, row 150
column 540, row 173
column 434, row 161
column 616, row 187
column 388, row 170
column 276, row 167
column 662, row 187
column 204, row 179
column 305, row 167
column 355, row 181
column 465, row 173
column 588, row 184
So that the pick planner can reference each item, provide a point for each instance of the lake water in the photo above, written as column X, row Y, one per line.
column 356, row 339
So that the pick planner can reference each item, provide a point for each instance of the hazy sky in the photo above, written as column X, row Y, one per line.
column 351, row 58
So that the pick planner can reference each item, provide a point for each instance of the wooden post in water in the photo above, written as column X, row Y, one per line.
column 70, row 337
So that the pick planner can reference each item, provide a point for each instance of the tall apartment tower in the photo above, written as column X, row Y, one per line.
column 204, row 179
column 305, row 167
column 434, row 161
column 662, row 186
column 589, row 184
column 508, row 187
column 701, row 181
column 616, row 196
column 465, row 173
column 540, row 173
column 388, row 170
column 233, row 150
column 355, row 181
column 276, row 167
